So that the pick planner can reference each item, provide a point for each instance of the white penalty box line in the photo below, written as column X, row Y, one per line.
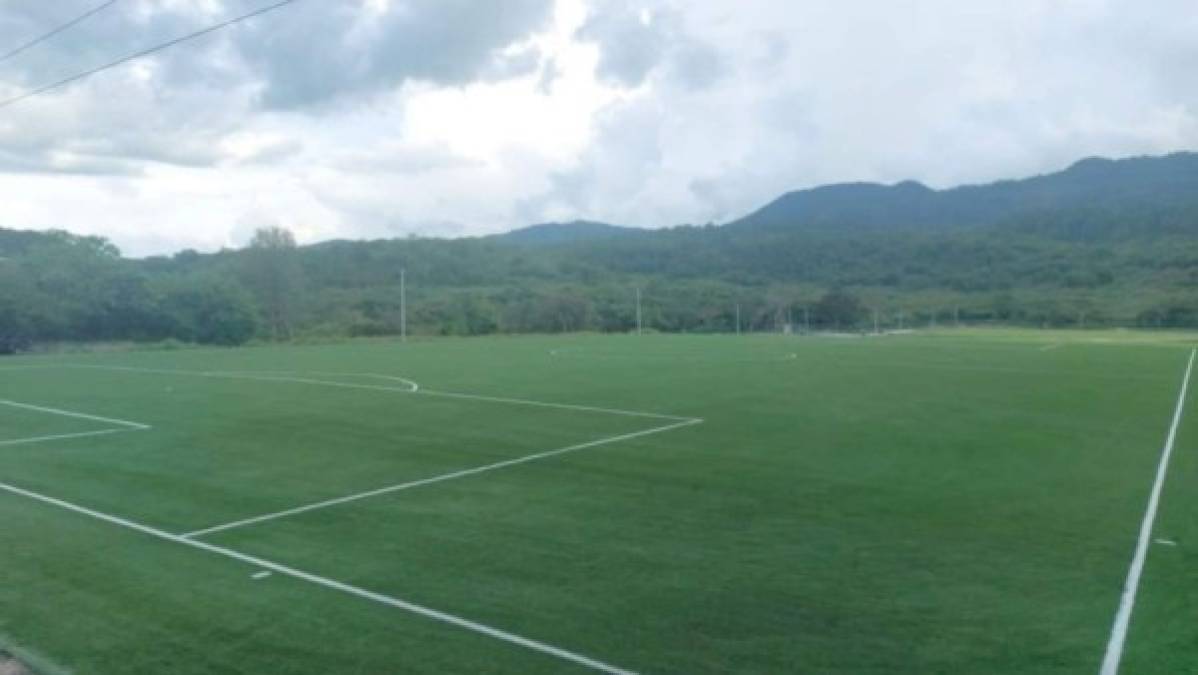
column 408, row 387
column 436, row 479
column 120, row 424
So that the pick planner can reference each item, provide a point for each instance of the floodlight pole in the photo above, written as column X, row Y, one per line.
column 806, row 321
column 876, row 331
column 403, row 306
column 738, row 318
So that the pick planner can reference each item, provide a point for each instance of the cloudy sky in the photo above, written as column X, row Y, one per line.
column 385, row 118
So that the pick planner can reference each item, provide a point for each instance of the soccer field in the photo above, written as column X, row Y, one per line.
column 940, row 503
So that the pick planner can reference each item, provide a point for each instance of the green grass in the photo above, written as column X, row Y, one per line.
column 957, row 502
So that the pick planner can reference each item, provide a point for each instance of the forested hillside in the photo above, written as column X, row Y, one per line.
column 1101, row 243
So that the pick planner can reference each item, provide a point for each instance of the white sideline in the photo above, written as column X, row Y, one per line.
column 435, row 479
column 68, row 413
column 1114, row 648
column 60, row 437
column 436, row 615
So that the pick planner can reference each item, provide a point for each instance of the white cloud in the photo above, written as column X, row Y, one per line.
column 385, row 117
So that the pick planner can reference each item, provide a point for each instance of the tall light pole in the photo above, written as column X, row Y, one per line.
column 403, row 306
column 738, row 318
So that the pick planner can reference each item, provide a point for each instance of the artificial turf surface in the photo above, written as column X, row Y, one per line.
column 941, row 503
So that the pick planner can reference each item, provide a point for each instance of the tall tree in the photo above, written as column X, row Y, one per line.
column 839, row 309
column 271, row 271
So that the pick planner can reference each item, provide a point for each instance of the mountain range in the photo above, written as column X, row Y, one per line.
column 1094, row 187
column 1103, row 242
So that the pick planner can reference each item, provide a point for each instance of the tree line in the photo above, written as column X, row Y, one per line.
column 56, row 286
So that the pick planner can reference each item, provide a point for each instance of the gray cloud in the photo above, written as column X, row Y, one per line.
column 178, row 107
column 630, row 44
column 359, row 52
column 636, row 38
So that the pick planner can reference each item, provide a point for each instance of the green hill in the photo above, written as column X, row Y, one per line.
column 1104, row 242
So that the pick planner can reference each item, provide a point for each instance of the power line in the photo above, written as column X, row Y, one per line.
column 46, row 36
column 141, row 54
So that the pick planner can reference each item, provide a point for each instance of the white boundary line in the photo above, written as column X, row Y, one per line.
column 1114, row 648
column 398, row 603
column 435, row 479
column 79, row 415
column 687, row 358
column 559, row 406
column 59, row 437
column 411, row 387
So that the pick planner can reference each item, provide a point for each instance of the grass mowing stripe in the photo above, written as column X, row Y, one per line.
column 1114, row 649
column 328, row 583
column 437, row 479
column 79, row 415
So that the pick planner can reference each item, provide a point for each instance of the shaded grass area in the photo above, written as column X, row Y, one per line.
column 939, row 503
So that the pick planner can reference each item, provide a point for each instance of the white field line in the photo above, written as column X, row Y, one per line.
column 566, row 351
column 1055, row 345
column 435, row 479
column 265, row 376
column 412, row 389
column 326, row 582
column 79, row 415
column 1114, row 648
column 948, row 367
column 559, row 406
column 130, row 369
column 59, row 437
